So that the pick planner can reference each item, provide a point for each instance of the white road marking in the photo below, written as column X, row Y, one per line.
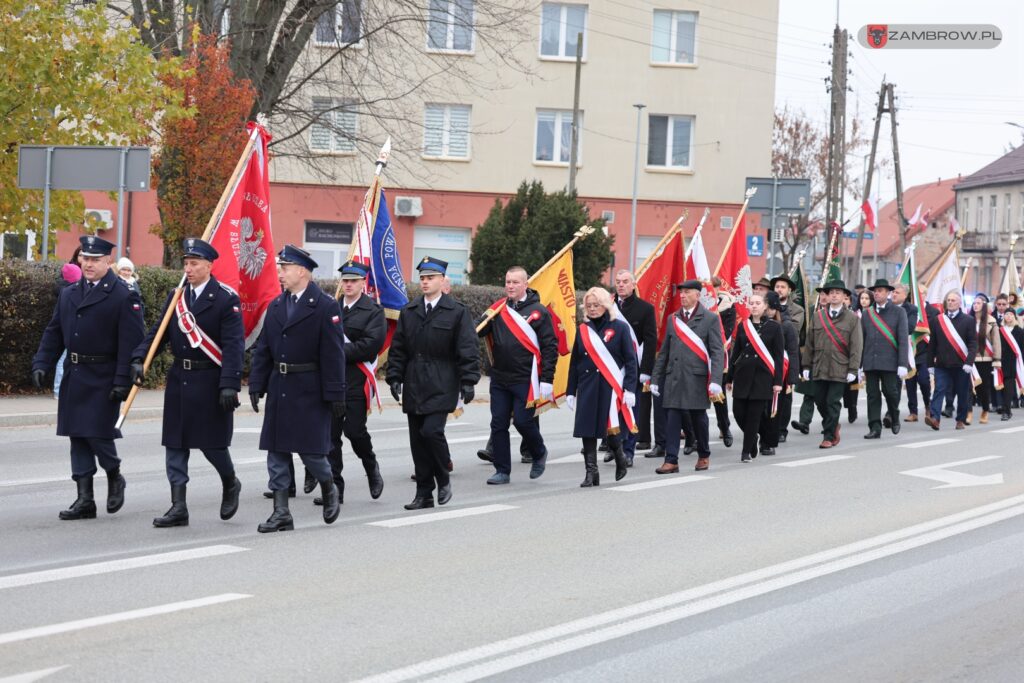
column 926, row 444
column 92, row 569
column 811, row 461
column 953, row 479
column 450, row 425
column 499, row 656
column 1008, row 430
column 80, row 624
column 659, row 483
column 441, row 516
column 30, row 482
column 480, row 437
column 576, row 457
column 32, row 676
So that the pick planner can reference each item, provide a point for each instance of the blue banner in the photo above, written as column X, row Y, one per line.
column 386, row 275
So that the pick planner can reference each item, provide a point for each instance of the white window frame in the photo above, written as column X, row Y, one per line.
column 339, row 13
column 668, row 166
column 556, row 158
column 450, row 32
column 340, row 145
column 1006, row 212
column 993, row 213
column 966, row 212
column 563, row 27
column 1020, row 196
column 446, row 131
column 673, row 40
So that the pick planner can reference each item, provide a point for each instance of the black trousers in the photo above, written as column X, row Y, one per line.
column 353, row 426
column 722, row 413
column 877, row 384
column 658, row 412
column 1009, row 395
column 644, row 400
column 86, row 451
column 922, row 380
column 694, row 423
column 983, row 392
column 769, row 429
column 429, row 450
column 748, row 412
column 177, row 464
column 784, row 415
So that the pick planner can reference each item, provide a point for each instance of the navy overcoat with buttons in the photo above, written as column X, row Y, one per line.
column 103, row 321
column 298, row 408
column 593, row 394
column 193, row 417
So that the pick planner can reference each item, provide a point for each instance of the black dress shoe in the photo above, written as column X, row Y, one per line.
column 745, row 457
column 782, row 437
column 444, row 494
column 526, row 459
column 376, row 481
column 689, row 450
column 947, row 412
column 874, row 434
column 1005, row 417
column 727, row 438
column 420, row 503
column 887, row 422
column 115, row 491
column 896, row 426
column 767, row 451
column 609, row 457
column 656, row 452
column 800, row 427
column 643, row 446
column 309, row 483
column 229, row 498
column 485, row 455
column 603, row 447
column 852, row 414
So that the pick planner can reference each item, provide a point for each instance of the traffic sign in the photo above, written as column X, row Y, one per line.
column 755, row 245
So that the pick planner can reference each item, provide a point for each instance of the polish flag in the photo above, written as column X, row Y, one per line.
column 870, row 209
column 954, row 226
column 697, row 259
column 916, row 218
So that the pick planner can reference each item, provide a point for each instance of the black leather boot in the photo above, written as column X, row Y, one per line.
column 229, row 500
column 593, row 476
column 422, row 501
column 621, row 466
column 281, row 520
column 309, row 483
column 340, row 484
column 291, row 493
column 84, row 506
column 178, row 514
column 115, row 491
column 373, row 476
column 331, row 498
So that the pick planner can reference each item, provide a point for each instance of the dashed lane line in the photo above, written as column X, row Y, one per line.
column 440, row 516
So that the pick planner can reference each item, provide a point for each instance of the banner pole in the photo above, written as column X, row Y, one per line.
column 732, row 234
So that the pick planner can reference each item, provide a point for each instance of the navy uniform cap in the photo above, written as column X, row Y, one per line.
column 353, row 270
column 197, row 248
column 430, row 264
column 95, row 246
column 299, row 257
column 690, row 284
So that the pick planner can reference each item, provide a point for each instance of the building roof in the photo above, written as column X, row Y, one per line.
column 935, row 199
column 1008, row 168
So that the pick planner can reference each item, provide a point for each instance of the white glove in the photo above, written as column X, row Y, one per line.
column 806, row 374
column 654, row 390
column 851, row 377
column 968, row 369
column 644, row 379
column 931, row 372
column 547, row 391
column 629, row 398
column 901, row 372
column 571, row 402
column 714, row 389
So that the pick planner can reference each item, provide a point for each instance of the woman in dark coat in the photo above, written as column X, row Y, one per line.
column 589, row 393
column 1010, row 330
column 771, row 426
column 753, row 384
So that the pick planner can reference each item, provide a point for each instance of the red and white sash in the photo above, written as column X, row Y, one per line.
column 612, row 374
column 370, row 389
column 195, row 335
column 692, row 342
column 525, row 335
column 952, row 336
column 1018, row 361
column 759, row 348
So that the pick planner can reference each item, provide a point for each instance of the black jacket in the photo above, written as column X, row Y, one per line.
column 1009, row 361
column 433, row 356
column 366, row 329
column 791, row 340
column 940, row 353
column 747, row 373
column 640, row 316
column 511, row 361
column 921, row 349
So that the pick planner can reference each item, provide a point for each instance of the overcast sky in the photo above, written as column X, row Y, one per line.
column 951, row 104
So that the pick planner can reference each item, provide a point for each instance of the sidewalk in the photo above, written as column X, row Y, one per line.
column 40, row 410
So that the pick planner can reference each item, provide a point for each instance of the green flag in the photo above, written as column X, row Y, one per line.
column 908, row 277
column 801, row 296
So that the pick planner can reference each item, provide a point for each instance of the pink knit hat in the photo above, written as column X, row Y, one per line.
column 71, row 273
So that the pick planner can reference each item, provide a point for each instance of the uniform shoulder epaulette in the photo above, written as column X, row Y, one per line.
column 226, row 288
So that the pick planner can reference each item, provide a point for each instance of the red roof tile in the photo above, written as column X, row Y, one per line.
column 935, row 199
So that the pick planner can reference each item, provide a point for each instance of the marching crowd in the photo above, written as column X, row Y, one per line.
column 315, row 364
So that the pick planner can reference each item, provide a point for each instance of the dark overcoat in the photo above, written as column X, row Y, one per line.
column 298, row 409
column 366, row 329
column 680, row 375
column 748, row 374
column 640, row 316
column 433, row 355
column 879, row 353
column 192, row 416
column 103, row 321
column 593, row 394
column 942, row 354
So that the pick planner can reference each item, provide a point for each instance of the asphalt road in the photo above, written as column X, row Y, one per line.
column 867, row 561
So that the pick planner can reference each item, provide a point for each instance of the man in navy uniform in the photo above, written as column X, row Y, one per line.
column 98, row 320
column 299, row 363
column 434, row 359
column 365, row 331
column 207, row 340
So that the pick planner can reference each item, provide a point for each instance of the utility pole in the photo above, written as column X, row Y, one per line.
column 836, row 131
column 636, row 179
column 891, row 101
column 867, row 183
column 575, row 116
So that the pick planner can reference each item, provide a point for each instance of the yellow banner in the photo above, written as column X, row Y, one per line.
column 557, row 291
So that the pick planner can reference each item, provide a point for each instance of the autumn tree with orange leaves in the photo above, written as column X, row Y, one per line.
column 197, row 153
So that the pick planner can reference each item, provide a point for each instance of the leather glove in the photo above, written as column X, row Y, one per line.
column 547, row 391
column 254, row 400
column 655, row 390
column 901, row 372
column 136, row 371
column 228, row 400
column 338, row 409
column 714, row 389
column 806, row 374
column 468, row 393
column 119, row 393
column 37, row 378
column 396, row 391
column 968, row 369
column 644, row 379
column 851, row 377
column 629, row 398
column 570, row 401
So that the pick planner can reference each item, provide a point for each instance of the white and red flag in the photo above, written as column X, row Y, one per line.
column 870, row 209
column 917, row 218
column 243, row 240
column 734, row 269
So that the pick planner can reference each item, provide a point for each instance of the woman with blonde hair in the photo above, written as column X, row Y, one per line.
column 602, row 367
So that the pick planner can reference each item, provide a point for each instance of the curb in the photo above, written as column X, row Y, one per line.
column 44, row 419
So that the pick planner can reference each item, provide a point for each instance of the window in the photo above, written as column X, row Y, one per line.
column 334, row 127
column 1006, row 214
column 670, row 141
column 447, row 244
column 674, row 37
column 340, row 26
column 993, row 210
column 560, row 25
column 446, row 131
column 644, row 247
column 554, row 136
column 1020, row 226
column 981, row 214
column 966, row 212
column 327, row 243
column 450, row 25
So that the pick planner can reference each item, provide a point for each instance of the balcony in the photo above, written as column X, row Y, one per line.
column 980, row 241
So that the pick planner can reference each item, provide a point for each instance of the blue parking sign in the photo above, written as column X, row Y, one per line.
column 755, row 245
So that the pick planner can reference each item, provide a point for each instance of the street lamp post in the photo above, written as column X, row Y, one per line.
column 636, row 178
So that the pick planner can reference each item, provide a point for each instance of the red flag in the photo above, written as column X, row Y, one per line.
column 243, row 240
column 656, row 285
column 734, row 269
